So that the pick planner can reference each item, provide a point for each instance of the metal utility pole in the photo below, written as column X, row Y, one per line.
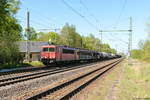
column 130, row 36
column 101, row 36
column 27, row 43
column 130, row 42
column 28, row 20
column 116, row 48
column 101, row 40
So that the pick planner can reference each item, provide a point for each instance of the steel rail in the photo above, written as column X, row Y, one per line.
column 54, row 89
column 13, row 80
column 78, row 89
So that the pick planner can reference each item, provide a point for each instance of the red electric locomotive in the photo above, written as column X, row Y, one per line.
column 58, row 54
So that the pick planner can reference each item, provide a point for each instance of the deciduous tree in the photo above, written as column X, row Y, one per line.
column 31, row 34
column 70, row 37
column 10, row 31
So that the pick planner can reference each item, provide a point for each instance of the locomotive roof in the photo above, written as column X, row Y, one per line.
column 65, row 47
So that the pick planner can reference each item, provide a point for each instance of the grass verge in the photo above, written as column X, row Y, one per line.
column 36, row 63
column 25, row 64
column 135, row 83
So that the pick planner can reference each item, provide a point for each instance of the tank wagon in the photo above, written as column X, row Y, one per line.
column 62, row 54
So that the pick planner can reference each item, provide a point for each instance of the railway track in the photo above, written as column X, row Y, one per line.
column 29, row 69
column 66, row 90
column 17, row 75
column 20, row 78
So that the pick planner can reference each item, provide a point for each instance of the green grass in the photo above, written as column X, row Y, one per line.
column 25, row 64
column 135, row 82
column 9, row 66
column 36, row 63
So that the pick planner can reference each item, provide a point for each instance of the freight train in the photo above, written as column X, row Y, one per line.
column 57, row 54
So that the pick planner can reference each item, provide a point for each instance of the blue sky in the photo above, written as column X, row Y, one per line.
column 103, row 14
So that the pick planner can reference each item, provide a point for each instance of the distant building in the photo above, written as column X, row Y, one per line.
column 34, row 48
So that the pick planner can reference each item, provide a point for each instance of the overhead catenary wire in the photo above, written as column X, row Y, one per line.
column 79, row 14
column 38, row 13
column 50, row 22
column 92, row 15
column 120, row 14
column 98, row 20
column 122, row 43
column 116, row 24
column 44, row 19
column 95, row 19
column 116, row 39
column 39, row 23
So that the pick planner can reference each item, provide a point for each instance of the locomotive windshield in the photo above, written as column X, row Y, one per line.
column 48, row 49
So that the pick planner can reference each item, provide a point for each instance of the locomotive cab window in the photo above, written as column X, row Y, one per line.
column 48, row 49
column 45, row 49
column 51, row 49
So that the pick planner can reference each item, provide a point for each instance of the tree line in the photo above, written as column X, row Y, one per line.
column 143, row 53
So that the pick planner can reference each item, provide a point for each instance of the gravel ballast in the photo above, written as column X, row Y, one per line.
column 25, row 88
